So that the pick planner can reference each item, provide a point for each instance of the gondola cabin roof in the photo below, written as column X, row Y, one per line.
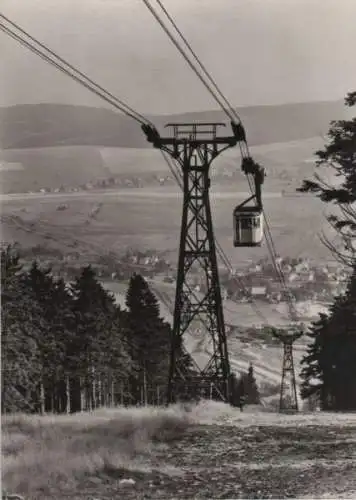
column 245, row 210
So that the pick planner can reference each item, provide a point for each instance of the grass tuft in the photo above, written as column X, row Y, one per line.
column 56, row 451
column 45, row 456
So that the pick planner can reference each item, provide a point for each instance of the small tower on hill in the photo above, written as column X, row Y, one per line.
column 288, row 401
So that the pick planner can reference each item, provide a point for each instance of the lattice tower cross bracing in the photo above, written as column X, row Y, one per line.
column 195, row 146
column 288, row 393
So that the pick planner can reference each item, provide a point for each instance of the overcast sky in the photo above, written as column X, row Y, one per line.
column 259, row 52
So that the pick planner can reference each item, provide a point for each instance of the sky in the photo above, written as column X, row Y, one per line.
column 258, row 51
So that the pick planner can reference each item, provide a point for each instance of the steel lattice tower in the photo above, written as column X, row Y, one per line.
column 288, row 396
column 195, row 146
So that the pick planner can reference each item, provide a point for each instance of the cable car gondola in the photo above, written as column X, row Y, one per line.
column 248, row 226
column 248, row 220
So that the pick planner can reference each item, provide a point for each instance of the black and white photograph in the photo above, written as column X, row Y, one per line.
column 178, row 249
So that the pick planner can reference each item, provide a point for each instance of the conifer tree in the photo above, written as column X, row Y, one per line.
column 21, row 324
column 237, row 390
column 329, row 370
column 312, row 372
column 63, row 325
column 149, row 335
column 342, row 346
column 252, row 395
column 98, row 346
column 39, row 284
column 85, row 346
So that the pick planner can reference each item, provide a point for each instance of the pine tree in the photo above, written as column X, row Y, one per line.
column 21, row 323
column 234, row 393
column 118, row 364
column 237, row 390
column 149, row 335
column 98, row 346
column 58, row 340
column 313, row 373
column 84, row 350
column 252, row 395
column 329, row 369
column 39, row 284
column 58, row 328
column 343, row 347
column 63, row 326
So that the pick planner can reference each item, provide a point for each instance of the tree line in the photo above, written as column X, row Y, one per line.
column 69, row 347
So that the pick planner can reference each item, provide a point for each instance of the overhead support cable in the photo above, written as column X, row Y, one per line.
column 227, row 107
column 51, row 57
column 179, row 48
column 232, row 111
column 58, row 62
column 232, row 114
column 62, row 65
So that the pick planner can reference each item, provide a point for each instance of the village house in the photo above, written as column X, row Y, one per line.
column 258, row 291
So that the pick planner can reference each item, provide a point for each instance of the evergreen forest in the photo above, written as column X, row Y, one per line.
column 68, row 347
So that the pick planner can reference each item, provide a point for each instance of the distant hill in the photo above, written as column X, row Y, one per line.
column 48, row 125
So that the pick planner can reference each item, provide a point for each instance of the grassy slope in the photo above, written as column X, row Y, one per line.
column 213, row 451
column 75, row 165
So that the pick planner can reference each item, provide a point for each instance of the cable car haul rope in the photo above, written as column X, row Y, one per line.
column 250, row 222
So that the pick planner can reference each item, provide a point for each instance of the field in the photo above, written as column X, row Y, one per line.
column 154, row 223
column 149, row 217
column 25, row 170
column 205, row 451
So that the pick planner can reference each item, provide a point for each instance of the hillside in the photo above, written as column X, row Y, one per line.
column 67, row 167
column 46, row 125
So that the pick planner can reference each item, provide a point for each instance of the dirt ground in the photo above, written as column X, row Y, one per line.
column 229, row 462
